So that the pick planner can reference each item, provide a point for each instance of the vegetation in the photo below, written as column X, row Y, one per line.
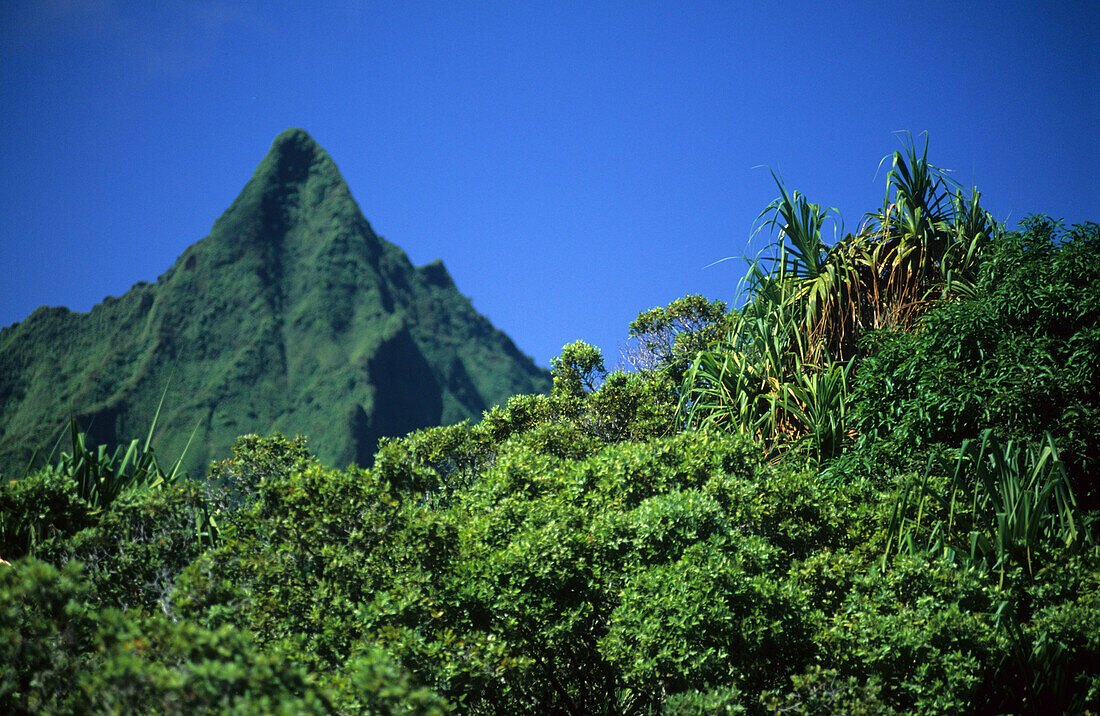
column 866, row 490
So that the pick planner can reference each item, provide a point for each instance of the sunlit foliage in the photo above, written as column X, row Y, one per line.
column 865, row 491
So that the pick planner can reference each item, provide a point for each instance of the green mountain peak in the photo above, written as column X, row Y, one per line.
column 293, row 157
column 294, row 182
column 291, row 315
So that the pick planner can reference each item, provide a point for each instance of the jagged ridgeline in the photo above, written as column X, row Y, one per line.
column 292, row 315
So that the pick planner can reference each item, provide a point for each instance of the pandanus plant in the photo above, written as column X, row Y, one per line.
column 781, row 375
column 102, row 475
column 765, row 382
column 930, row 230
column 99, row 476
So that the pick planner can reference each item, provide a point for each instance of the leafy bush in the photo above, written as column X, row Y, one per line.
column 580, row 416
column 255, row 458
column 717, row 615
column 824, row 691
column 720, row 701
column 922, row 628
column 1018, row 357
column 302, row 559
column 43, row 505
column 136, row 550
column 74, row 492
column 46, row 636
column 1053, row 653
column 571, row 575
column 61, row 656
column 1021, row 508
column 373, row 684
column 150, row 664
column 668, row 337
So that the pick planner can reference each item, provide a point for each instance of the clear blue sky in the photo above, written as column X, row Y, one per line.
column 572, row 163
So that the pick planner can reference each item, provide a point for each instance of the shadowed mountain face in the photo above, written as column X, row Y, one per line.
column 292, row 315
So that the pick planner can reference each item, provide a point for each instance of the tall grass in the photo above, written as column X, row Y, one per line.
column 1007, row 504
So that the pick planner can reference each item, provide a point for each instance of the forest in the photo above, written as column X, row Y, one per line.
column 867, row 489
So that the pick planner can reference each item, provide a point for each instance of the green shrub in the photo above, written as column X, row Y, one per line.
column 1006, row 506
column 1050, row 632
column 1017, row 357
column 255, row 458
column 717, row 615
column 46, row 636
column 797, row 512
column 549, row 602
column 668, row 337
column 151, row 664
column 719, row 701
column 59, row 655
column 374, row 685
column 135, row 552
column 923, row 630
column 304, row 557
column 41, row 506
column 824, row 691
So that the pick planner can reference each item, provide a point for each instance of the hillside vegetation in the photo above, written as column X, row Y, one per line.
column 869, row 489
column 292, row 315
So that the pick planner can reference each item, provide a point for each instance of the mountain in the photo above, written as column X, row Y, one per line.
column 292, row 315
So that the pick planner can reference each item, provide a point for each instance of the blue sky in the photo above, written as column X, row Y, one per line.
column 572, row 163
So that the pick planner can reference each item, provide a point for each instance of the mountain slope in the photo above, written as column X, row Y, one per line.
column 292, row 315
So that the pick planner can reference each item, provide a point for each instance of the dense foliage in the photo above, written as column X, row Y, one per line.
column 815, row 503
column 1019, row 357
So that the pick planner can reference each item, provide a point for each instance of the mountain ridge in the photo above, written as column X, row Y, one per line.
column 292, row 314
